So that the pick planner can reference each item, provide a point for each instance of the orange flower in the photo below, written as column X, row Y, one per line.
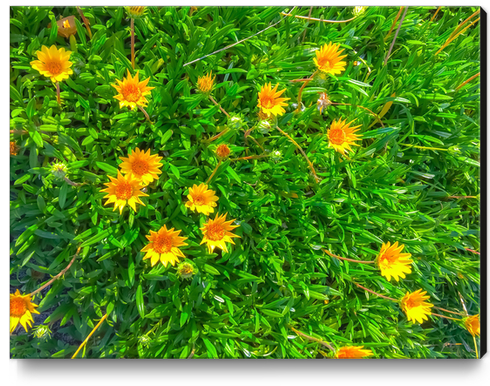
column 352, row 352
column 472, row 324
column 124, row 190
column 205, row 83
column 201, row 199
column 164, row 246
column 269, row 101
column 415, row 306
column 21, row 310
column 143, row 166
column 53, row 63
column 217, row 233
column 341, row 136
column 222, row 151
column 13, row 148
column 328, row 59
column 132, row 92
column 393, row 263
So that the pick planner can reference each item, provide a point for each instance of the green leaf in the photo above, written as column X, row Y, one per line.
column 139, row 301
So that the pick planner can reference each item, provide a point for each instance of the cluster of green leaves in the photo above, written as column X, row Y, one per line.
column 401, row 184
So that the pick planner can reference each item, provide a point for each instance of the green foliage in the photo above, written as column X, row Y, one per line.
column 403, row 183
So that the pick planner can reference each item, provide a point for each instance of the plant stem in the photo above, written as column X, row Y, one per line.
column 375, row 293
column 217, row 136
column 467, row 81
column 314, row 19
column 471, row 250
column 57, row 276
column 476, row 346
column 313, row 339
column 445, row 317
column 58, row 93
column 304, row 33
column 396, row 35
column 298, row 109
column 88, row 337
column 346, row 259
column 451, row 312
column 146, row 114
column 214, row 172
column 456, row 35
column 435, row 13
column 85, row 21
column 423, row 147
column 302, row 152
column 221, row 108
column 132, row 42
column 249, row 157
column 361, row 107
column 394, row 22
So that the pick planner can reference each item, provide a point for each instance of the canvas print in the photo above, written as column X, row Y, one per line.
column 245, row 182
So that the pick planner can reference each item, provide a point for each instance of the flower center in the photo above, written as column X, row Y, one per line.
column 17, row 307
column 336, row 136
column 53, row 67
column 140, row 167
column 414, row 302
column 162, row 244
column 215, row 232
column 267, row 102
column 131, row 92
column 325, row 64
column 124, row 191
column 199, row 199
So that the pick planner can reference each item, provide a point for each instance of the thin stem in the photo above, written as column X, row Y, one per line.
column 375, row 293
column 85, row 21
column 300, row 80
column 132, row 42
column 304, row 33
column 313, row 339
column 214, row 172
column 298, row 109
column 451, row 312
column 467, row 81
column 476, row 346
column 445, row 317
column 70, row 182
column 88, row 337
column 249, row 157
column 461, row 197
column 314, row 19
column 396, row 35
column 462, row 24
column 423, row 147
column 361, row 107
column 238, row 42
column 462, row 302
column 302, row 152
column 256, row 142
column 346, row 259
column 435, row 13
column 217, row 136
column 471, row 250
column 57, row 276
column 144, row 112
column 394, row 22
column 58, row 93
column 217, row 104
column 455, row 36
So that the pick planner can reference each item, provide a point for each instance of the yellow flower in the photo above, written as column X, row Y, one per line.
column 393, row 263
column 328, row 59
column 472, row 324
column 358, row 11
column 164, row 246
column 13, row 148
column 53, row 63
column 123, row 190
column 205, row 83
column 21, row 310
column 132, row 92
column 415, row 306
column 341, row 136
column 136, row 12
column 217, row 233
column 269, row 101
column 352, row 352
column 222, row 151
column 141, row 165
column 201, row 199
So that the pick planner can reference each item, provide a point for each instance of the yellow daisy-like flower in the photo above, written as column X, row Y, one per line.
column 124, row 190
column 472, row 324
column 415, row 306
column 217, row 233
column 53, row 63
column 341, row 136
column 269, row 101
column 201, row 199
column 164, row 246
column 393, row 263
column 136, row 12
column 21, row 310
column 329, row 60
column 132, row 92
column 141, row 165
column 223, row 151
column 205, row 83
column 353, row 352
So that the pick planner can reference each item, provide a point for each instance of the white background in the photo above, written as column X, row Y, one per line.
column 212, row 372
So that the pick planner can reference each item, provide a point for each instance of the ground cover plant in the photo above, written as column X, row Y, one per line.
column 238, row 182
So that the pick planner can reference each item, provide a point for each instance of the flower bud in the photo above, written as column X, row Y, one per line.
column 59, row 170
column 186, row 270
